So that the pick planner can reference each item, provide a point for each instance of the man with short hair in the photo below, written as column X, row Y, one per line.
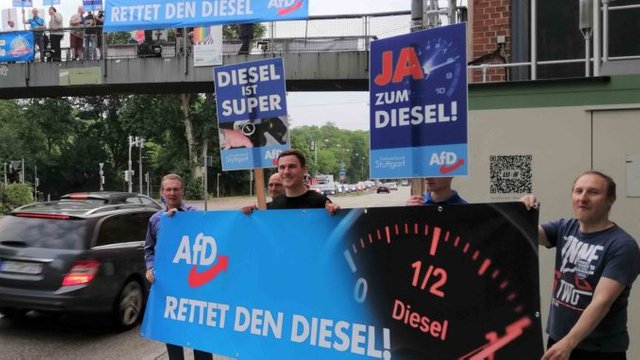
column 438, row 192
column 37, row 26
column 172, row 190
column 275, row 186
column 596, row 263
column 292, row 166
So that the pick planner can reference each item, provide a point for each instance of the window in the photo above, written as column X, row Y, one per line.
column 44, row 233
column 123, row 228
column 133, row 200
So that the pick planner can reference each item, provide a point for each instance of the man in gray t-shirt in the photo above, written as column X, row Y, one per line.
column 596, row 263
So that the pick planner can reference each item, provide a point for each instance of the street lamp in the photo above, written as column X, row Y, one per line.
column 362, row 159
column 313, row 147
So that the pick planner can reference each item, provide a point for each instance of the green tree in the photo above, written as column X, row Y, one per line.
column 120, row 38
column 16, row 195
column 334, row 147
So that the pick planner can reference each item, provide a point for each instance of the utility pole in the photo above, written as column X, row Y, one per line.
column 137, row 141
column 36, row 182
column 205, row 163
column 140, row 143
column 129, row 177
column 22, row 172
column 5, row 173
column 218, row 185
column 146, row 178
column 314, row 148
column 101, row 172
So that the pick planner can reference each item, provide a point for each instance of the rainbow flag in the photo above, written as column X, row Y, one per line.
column 200, row 35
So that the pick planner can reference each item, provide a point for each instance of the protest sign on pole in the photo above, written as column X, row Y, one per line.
column 418, row 97
column 252, row 113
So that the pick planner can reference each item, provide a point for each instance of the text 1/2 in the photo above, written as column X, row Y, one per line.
column 437, row 276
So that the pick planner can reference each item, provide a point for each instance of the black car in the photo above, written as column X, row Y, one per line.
column 382, row 189
column 75, row 257
column 111, row 197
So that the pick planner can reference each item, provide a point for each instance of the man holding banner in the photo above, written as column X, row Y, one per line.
column 292, row 166
column 172, row 190
column 596, row 263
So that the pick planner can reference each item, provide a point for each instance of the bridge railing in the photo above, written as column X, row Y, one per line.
column 318, row 33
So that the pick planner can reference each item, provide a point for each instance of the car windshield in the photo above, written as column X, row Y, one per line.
column 43, row 233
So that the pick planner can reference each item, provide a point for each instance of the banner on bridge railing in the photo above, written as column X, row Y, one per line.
column 448, row 282
column 16, row 46
column 125, row 15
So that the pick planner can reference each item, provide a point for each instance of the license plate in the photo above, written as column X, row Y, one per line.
column 20, row 267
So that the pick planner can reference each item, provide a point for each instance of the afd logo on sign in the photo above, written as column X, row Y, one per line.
column 285, row 6
column 202, row 252
column 448, row 161
column 273, row 156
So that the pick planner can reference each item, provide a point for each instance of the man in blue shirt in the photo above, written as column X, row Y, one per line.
column 596, row 263
column 172, row 190
column 37, row 26
column 438, row 192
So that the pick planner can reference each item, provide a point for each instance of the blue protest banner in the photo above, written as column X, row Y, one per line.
column 418, row 97
column 92, row 5
column 16, row 46
column 125, row 15
column 50, row 2
column 380, row 283
column 252, row 113
column 22, row 3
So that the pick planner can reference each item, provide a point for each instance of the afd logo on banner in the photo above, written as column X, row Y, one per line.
column 252, row 113
column 16, row 46
column 125, row 15
column 418, row 97
column 202, row 252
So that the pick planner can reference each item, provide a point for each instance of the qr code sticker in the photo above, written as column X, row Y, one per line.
column 510, row 174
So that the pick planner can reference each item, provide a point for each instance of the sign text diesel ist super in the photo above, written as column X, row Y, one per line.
column 249, row 78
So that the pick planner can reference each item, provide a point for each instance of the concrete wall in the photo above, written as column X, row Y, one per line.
column 563, row 142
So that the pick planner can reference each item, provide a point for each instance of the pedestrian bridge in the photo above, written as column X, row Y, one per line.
column 311, row 71
column 325, row 53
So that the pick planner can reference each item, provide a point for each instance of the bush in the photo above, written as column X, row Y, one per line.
column 15, row 195
column 193, row 188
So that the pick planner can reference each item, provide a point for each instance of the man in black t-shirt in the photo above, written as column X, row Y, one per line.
column 292, row 166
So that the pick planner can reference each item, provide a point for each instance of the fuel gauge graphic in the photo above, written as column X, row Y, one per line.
column 460, row 286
